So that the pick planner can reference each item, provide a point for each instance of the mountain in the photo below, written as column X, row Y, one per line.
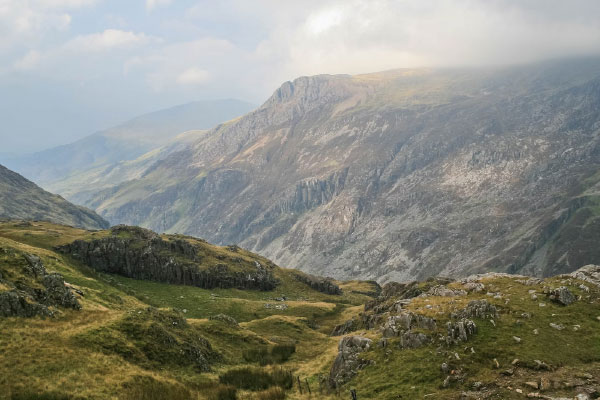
column 395, row 175
column 127, row 141
column 23, row 199
column 119, row 322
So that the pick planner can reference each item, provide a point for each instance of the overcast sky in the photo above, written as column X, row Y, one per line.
column 71, row 67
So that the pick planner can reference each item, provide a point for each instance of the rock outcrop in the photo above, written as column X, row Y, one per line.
column 323, row 285
column 589, row 273
column 477, row 309
column 460, row 331
column 33, row 291
column 348, row 361
column 142, row 254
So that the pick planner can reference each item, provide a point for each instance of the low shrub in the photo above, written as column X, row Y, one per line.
column 278, row 354
column 148, row 388
column 282, row 352
column 222, row 393
column 257, row 379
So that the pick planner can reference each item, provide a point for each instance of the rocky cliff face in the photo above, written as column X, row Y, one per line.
column 142, row 254
column 395, row 176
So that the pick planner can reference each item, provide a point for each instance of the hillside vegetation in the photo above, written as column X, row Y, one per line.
column 97, row 333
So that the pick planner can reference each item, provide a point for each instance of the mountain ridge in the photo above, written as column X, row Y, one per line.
column 394, row 176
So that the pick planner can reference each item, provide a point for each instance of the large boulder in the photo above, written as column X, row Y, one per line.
column 347, row 363
column 562, row 295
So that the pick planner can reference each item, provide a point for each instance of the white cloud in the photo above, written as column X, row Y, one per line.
column 169, row 65
column 193, row 76
column 29, row 61
column 65, row 3
column 107, row 40
column 152, row 4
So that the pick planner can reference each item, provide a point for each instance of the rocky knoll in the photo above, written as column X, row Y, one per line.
column 395, row 176
column 142, row 254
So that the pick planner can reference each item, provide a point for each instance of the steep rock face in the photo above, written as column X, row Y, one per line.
column 142, row 254
column 23, row 199
column 395, row 176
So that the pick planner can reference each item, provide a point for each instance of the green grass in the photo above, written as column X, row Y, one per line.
column 116, row 347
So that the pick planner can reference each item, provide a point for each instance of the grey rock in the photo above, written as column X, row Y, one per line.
column 405, row 321
column 477, row 309
column 413, row 340
column 348, row 362
column 14, row 304
column 441, row 290
column 342, row 329
column 589, row 273
column 460, row 331
column 562, row 295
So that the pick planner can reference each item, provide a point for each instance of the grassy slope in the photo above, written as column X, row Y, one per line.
column 50, row 356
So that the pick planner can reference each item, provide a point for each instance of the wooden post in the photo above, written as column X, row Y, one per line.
column 299, row 384
column 307, row 385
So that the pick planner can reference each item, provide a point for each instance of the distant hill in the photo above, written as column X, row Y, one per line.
column 23, row 199
column 124, row 142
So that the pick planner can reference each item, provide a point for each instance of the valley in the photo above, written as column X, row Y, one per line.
column 483, row 337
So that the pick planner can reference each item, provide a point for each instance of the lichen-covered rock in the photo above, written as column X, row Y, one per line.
column 562, row 295
column 460, row 331
column 347, row 363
